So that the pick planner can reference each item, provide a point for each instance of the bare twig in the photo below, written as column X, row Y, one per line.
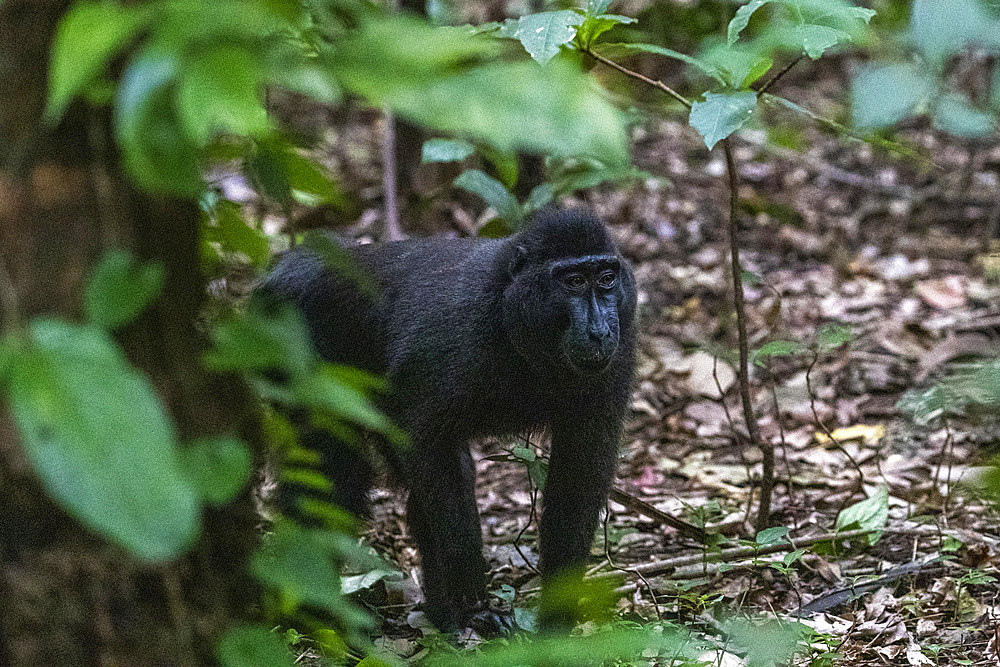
column 737, row 553
column 826, row 431
column 642, row 507
column 635, row 75
column 766, row 449
column 611, row 562
column 390, row 185
column 784, row 70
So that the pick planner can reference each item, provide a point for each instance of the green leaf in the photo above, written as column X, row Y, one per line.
column 701, row 65
column 491, row 190
column 157, row 149
column 579, row 174
column 832, row 336
column 595, row 26
column 772, row 535
column 263, row 339
column 766, row 643
column 538, row 471
column 304, row 565
column 742, row 19
column 512, row 106
column 234, row 234
column 941, row 29
column 266, row 170
column 252, row 645
column 609, row 645
column 882, row 95
column 88, row 36
column 119, row 289
column 954, row 114
column 816, row 39
column 100, row 441
column 217, row 468
column 721, row 114
column 813, row 26
column 309, row 184
column 597, row 7
column 497, row 228
column 542, row 34
column 359, row 582
column 220, row 92
column 776, row 348
column 327, row 390
column 287, row 66
column 738, row 65
column 540, row 196
column 445, row 150
column 793, row 556
column 336, row 258
column 869, row 514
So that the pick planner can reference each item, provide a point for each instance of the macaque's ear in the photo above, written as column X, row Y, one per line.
column 517, row 261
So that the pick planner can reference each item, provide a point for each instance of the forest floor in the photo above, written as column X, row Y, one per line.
column 835, row 233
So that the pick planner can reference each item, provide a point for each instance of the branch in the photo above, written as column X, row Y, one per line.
column 767, row 450
column 774, row 79
column 635, row 75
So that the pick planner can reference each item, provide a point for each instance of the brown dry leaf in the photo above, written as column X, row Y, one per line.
column 946, row 293
column 829, row 571
column 925, row 627
column 870, row 434
column 916, row 657
column 702, row 370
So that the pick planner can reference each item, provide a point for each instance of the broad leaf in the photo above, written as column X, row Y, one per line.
column 234, row 234
column 100, row 440
column 445, row 150
column 217, row 468
column 595, row 26
column 304, row 565
column 721, row 114
column 954, row 114
column 492, row 191
column 119, row 289
column 816, row 39
column 742, row 19
column 252, row 645
column 540, row 196
column 882, row 95
column 869, row 514
column 597, row 7
column 220, row 92
column 940, row 29
column 776, row 348
column 157, row 149
column 772, row 535
column 739, row 66
column 542, row 34
column 813, row 26
column 427, row 77
column 88, row 36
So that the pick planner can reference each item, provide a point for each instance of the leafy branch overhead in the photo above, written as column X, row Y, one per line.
column 444, row 78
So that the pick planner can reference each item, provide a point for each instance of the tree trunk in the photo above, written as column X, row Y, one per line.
column 67, row 597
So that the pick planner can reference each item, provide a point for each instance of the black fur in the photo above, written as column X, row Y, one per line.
column 483, row 338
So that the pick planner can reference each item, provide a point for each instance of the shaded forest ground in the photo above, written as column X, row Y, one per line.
column 837, row 233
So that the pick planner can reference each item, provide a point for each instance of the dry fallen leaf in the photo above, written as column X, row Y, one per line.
column 870, row 434
column 945, row 293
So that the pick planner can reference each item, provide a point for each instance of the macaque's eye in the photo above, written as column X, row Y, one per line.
column 575, row 281
column 607, row 280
